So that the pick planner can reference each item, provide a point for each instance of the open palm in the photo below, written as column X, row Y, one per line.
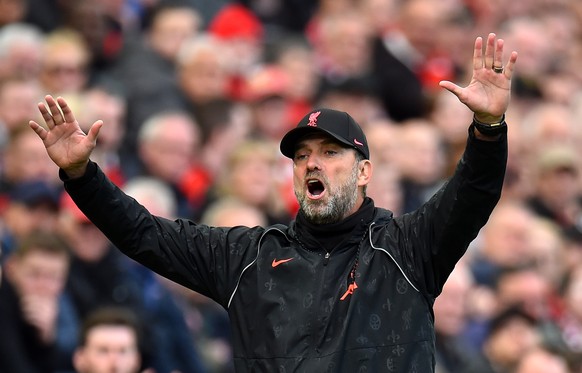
column 488, row 93
column 67, row 145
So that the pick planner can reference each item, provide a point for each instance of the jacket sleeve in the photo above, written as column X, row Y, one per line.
column 202, row 258
column 434, row 237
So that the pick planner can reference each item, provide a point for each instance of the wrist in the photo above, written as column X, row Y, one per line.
column 76, row 172
column 490, row 128
column 489, row 120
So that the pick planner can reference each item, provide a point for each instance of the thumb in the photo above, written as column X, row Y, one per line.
column 94, row 131
column 451, row 87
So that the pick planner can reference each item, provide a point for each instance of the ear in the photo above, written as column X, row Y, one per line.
column 364, row 172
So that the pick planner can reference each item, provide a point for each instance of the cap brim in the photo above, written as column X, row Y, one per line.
column 290, row 140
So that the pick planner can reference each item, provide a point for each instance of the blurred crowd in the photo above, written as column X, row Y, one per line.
column 196, row 95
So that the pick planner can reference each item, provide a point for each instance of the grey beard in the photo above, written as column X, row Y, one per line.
column 341, row 200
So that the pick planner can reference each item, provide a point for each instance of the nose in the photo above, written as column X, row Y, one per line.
column 313, row 162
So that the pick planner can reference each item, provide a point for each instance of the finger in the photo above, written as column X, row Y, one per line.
column 478, row 54
column 498, row 58
column 508, row 70
column 451, row 87
column 54, row 110
column 94, row 131
column 46, row 115
column 66, row 110
column 489, row 51
column 40, row 131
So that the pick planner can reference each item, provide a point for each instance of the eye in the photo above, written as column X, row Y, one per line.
column 330, row 152
column 300, row 156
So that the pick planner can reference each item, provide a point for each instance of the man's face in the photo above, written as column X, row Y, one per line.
column 109, row 348
column 326, row 179
column 40, row 274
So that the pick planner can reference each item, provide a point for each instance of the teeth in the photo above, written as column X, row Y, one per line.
column 312, row 181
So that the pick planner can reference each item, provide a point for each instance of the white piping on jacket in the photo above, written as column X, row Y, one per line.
column 391, row 257
column 276, row 229
column 251, row 263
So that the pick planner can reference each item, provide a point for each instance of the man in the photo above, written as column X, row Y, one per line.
column 346, row 287
column 109, row 342
column 36, row 317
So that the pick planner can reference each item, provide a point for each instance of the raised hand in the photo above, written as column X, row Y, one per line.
column 488, row 93
column 66, row 144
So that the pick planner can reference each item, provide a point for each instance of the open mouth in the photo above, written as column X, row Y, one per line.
column 315, row 188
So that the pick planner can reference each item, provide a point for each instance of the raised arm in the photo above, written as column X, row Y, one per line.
column 66, row 143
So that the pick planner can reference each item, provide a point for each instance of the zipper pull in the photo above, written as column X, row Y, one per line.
column 326, row 258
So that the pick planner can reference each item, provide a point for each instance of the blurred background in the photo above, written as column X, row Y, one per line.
column 196, row 95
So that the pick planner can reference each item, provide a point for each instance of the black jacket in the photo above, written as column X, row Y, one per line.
column 285, row 300
column 21, row 348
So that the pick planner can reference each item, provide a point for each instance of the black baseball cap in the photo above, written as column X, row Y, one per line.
column 338, row 124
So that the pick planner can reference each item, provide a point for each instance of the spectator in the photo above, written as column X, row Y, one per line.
column 230, row 212
column 30, row 206
column 511, row 334
column 168, row 146
column 356, row 95
column 177, row 349
column 264, row 91
column 549, row 124
column 250, row 175
column 386, row 186
column 241, row 35
column 451, row 311
column 20, row 51
column 525, row 32
column 381, row 14
column 154, row 193
column 410, row 56
column 420, row 161
column 295, row 57
column 504, row 242
column 203, row 74
column 449, row 116
column 549, row 250
column 23, row 162
column 110, row 341
column 556, row 191
column 18, row 98
column 99, row 25
column 224, row 124
column 105, row 103
column 526, row 288
column 100, row 277
column 65, row 63
column 344, row 46
column 38, row 321
column 153, row 53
